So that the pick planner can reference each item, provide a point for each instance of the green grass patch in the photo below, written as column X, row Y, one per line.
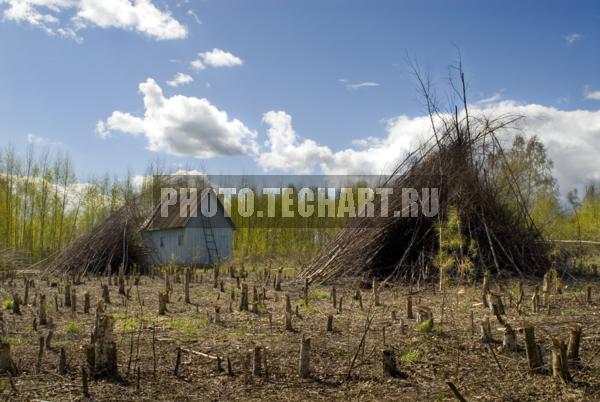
column 425, row 326
column 412, row 356
column 72, row 327
column 189, row 326
column 7, row 304
column 318, row 294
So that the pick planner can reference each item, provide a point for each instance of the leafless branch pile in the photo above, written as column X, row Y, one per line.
column 462, row 159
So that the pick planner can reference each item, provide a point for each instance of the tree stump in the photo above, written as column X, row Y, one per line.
column 304, row 368
column 105, row 294
column 7, row 364
column 278, row 280
column 589, row 294
column 334, row 297
column 257, row 362
column 162, row 303
column 486, row 329
column 574, row 342
column 423, row 314
column 42, row 312
column 330, row 323
column 534, row 356
column 560, row 367
column 535, row 301
column 16, row 307
column 288, row 322
column 62, row 362
column 186, row 286
column 389, row 363
column 409, row 310
column 509, row 343
column 288, row 303
column 86, row 303
column 376, row 292
column 485, row 288
column 105, row 349
column 67, row 294
column 121, row 280
column 244, row 297
column 546, row 288
column 26, row 295
column 84, row 383
column 73, row 301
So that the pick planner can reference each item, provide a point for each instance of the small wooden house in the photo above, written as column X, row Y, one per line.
column 190, row 240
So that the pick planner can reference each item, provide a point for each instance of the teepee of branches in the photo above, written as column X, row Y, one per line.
column 462, row 159
column 114, row 241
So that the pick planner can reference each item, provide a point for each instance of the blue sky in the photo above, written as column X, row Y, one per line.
column 326, row 83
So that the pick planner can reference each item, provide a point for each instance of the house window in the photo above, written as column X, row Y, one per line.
column 180, row 240
column 162, row 241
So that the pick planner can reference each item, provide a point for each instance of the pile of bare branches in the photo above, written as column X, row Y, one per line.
column 114, row 241
column 463, row 159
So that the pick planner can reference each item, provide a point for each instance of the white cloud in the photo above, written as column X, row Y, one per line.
column 183, row 126
column 66, row 18
column 36, row 140
column 571, row 137
column 497, row 96
column 192, row 14
column 216, row 58
column 180, row 79
column 591, row 95
column 572, row 38
column 198, row 65
column 359, row 85
column 286, row 151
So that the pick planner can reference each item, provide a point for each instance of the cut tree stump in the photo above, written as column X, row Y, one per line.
column 105, row 349
column 509, row 343
column 105, row 294
column 162, row 303
column 304, row 368
column 389, row 363
column 7, row 364
column 534, row 356
column 244, row 298
column 42, row 312
column 560, row 367
column 257, row 362
column 409, row 310
column 574, row 342
column 86, row 303
column 486, row 329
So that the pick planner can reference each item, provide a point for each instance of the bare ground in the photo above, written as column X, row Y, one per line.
column 452, row 351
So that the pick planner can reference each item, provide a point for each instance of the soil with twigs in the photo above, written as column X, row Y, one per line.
column 345, row 363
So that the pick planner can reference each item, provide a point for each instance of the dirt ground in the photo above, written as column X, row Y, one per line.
column 452, row 351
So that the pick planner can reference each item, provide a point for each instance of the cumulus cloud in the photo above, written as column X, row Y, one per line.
column 180, row 79
column 571, row 137
column 66, row 18
column 572, row 38
column 590, row 94
column 216, row 58
column 36, row 139
column 183, row 126
column 286, row 151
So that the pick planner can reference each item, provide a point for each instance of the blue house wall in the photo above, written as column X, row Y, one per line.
column 191, row 250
